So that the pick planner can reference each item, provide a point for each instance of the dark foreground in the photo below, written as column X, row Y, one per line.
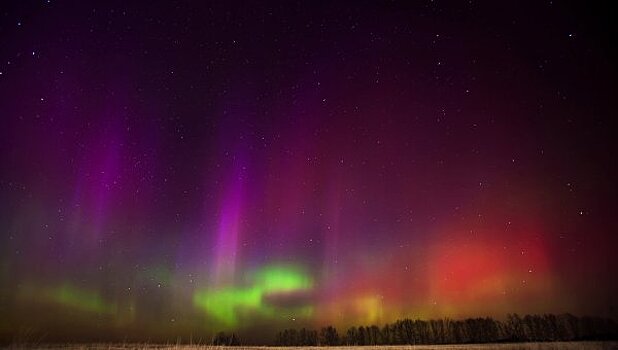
column 592, row 345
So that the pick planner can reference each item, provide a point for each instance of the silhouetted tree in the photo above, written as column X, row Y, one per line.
column 227, row 340
column 387, row 337
column 329, row 336
column 546, row 327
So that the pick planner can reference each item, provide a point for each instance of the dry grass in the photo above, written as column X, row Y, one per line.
column 512, row 346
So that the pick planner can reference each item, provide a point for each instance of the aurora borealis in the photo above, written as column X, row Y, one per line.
column 176, row 169
column 278, row 281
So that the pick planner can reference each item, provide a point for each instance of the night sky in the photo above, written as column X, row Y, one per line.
column 183, row 168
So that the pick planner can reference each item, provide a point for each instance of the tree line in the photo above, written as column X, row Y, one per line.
column 547, row 327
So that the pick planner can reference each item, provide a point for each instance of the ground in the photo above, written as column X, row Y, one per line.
column 513, row 346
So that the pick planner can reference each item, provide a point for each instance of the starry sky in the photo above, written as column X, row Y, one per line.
column 175, row 169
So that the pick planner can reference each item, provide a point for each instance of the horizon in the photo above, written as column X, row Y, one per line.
column 189, row 168
column 513, row 328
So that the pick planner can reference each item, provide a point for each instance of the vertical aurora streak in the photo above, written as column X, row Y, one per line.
column 229, row 230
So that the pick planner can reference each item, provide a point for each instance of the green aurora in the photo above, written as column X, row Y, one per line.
column 83, row 300
column 224, row 304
